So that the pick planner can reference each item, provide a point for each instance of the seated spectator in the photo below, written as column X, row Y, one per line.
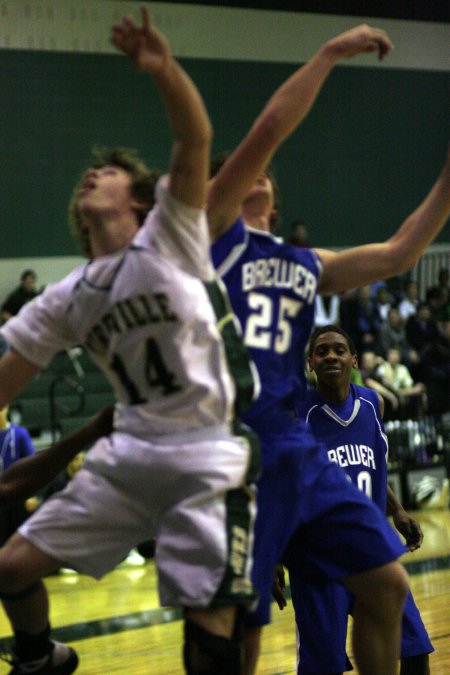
column 358, row 318
column 24, row 292
column 408, row 305
column 382, row 304
column 436, row 370
column 397, row 285
column 438, row 299
column 369, row 364
column 392, row 333
column 395, row 375
column 443, row 281
column 421, row 331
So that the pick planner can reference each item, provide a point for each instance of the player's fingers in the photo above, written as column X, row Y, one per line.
column 146, row 22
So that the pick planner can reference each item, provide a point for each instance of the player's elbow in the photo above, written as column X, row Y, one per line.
column 269, row 129
column 401, row 263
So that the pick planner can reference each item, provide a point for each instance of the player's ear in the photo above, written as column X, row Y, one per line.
column 355, row 361
column 137, row 205
column 309, row 366
column 274, row 220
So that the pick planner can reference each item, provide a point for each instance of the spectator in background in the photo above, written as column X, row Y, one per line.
column 439, row 300
column 443, row 280
column 421, row 328
column 392, row 333
column 408, row 305
column 369, row 365
column 359, row 319
column 382, row 304
column 15, row 443
column 395, row 375
column 397, row 285
column 438, row 297
column 24, row 292
column 436, row 371
column 299, row 234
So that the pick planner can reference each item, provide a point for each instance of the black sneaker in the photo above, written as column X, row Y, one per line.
column 62, row 660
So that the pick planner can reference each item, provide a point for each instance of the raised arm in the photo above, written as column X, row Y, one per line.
column 149, row 51
column 284, row 111
column 363, row 265
column 23, row 478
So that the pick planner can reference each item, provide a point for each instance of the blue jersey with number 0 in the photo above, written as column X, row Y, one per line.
column 354, row 437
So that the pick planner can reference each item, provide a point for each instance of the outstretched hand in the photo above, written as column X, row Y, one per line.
column 144, row 45
column 360, row 40
column 409, row 528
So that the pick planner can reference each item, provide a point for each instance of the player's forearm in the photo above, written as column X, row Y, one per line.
column 189, row 166
column 291, row 103
column 422, row 226
column 187, row 114
column 392, row 503
column 23, row 478
column 284, row 111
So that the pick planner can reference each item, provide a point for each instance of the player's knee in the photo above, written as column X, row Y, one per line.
column 208, row 654
column 382, row 590
column 395, row 583
column 13, row 577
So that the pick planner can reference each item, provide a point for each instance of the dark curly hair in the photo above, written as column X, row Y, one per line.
column 143, row 181
column 330, row 328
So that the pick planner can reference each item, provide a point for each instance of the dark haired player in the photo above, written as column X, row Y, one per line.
column 347, row 419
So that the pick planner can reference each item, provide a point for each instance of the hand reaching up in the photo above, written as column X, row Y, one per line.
column 145, row 46
column 360, row 40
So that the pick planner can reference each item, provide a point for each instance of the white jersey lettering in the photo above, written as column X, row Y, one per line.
column 273, row 272
column 128, row 314
column 352, row 455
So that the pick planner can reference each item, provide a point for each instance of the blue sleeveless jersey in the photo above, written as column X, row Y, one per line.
column 354, row 439
column 272, row 287
column 353, row 436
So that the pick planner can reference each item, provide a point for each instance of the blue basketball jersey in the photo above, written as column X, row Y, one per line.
column 354, row 437
column 272, row 286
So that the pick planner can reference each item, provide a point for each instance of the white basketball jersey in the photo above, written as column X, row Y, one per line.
column 145, row 317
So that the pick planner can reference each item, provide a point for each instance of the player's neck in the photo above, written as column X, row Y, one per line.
column 260, row 223
column 333, row 395
column 256, row 214
column 110, row 235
